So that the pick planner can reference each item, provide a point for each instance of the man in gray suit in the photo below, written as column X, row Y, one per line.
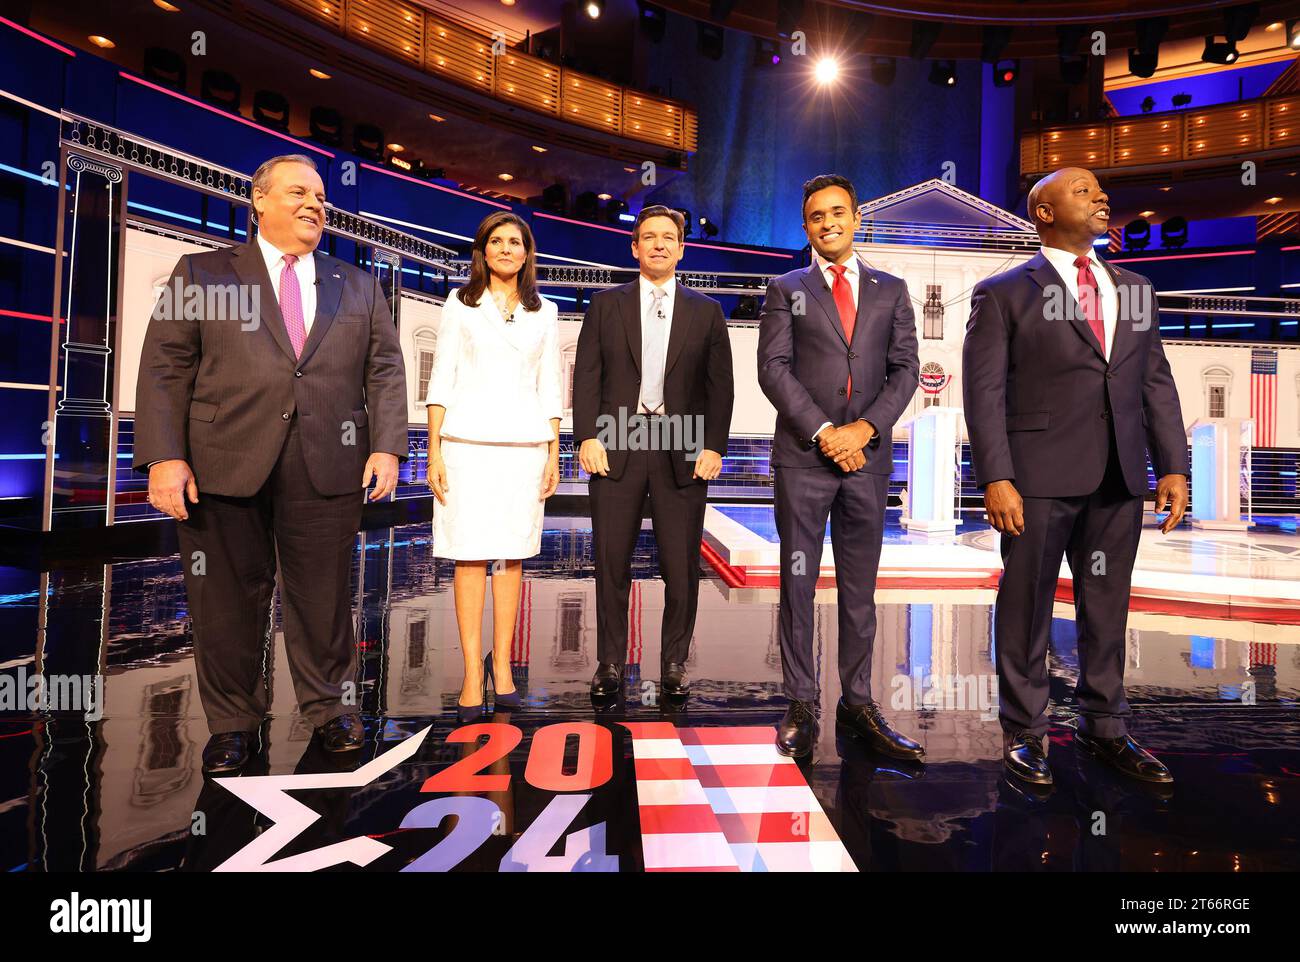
column 260, row 429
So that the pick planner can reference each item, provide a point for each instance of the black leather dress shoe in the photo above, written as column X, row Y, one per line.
column 608, row 680
column 866, row 722
column 343, row 733
column 226, row 752
column 1023, row 756
column 1125, row 756
column 798, row 730
column 675, row 681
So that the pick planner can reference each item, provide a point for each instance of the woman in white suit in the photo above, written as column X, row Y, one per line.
column 494, row 404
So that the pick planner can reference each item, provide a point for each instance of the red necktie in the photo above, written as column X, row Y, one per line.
column 843, row 295
column 1090, row 300
column 291, row 305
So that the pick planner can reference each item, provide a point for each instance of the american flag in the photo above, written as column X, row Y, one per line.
column 1263, row 396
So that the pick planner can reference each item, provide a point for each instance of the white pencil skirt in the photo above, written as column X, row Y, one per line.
column 494, row 509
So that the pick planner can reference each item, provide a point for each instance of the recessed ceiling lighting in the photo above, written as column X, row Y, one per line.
column 164, row 5
column 1147, row 213
column 1276, row 25
column 603, row 196
column 540, row 150
column 630, row 170
column 1166, row 189
column 319, row 74
column 437, row 118
column 506, row 177
column 396, row 148
column 508, row 3
column 1273, row 200
column 99, row 41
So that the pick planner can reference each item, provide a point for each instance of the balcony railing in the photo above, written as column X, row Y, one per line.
column 1221, row 131
column 418, row 38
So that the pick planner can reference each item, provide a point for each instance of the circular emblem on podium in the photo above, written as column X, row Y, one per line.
column 933, row 378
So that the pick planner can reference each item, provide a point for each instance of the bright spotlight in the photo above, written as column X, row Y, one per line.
column 826, row 70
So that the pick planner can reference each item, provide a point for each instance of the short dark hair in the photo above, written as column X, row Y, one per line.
column 659, row 210
column 821, row 182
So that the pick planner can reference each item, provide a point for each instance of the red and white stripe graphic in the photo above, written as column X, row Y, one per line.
column 770, row 816
column 679, row 832
column 724, row 799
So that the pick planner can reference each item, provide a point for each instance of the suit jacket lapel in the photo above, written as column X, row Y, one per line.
column 868, row 287
column 815, row 284
column 629, row 303
column 329, row 290
column 681, row 323
column 1131, row 310
column 250, row 267
column 1045, row 275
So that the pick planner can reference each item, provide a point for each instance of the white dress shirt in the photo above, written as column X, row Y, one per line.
column 669, row 288
column 305, row 268
column 852, row 274
column 1063, row 261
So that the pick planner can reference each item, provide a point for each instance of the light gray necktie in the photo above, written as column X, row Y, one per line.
column 652, row 353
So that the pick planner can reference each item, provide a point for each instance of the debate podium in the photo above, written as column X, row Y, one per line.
column 1217, row 447
column 932, row 471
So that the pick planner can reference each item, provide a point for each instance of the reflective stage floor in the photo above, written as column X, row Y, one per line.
column 643, row 784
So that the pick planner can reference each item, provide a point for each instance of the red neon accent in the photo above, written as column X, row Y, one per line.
column 1177, row 257
column 36, row 36
column 31, row 317
column 1293, row 247
column 737, row 250
column 425, row 183
column 583, row 223
column 221, row 113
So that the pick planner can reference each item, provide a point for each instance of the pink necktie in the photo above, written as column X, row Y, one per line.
column 1090, row 300
column 291, row 305
column 843, row 295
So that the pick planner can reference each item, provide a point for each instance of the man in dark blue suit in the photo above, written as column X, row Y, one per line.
column 1066, row 388
column 837, row 358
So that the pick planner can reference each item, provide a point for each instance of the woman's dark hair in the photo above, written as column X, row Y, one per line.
column 478, row 269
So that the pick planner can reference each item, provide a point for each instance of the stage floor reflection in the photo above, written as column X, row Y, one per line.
column 642, row 784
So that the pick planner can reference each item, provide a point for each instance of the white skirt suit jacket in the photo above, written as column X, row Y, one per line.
column 500, row 383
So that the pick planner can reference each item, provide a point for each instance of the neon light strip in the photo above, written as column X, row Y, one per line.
column 221, row 113
column 36, row 36
column 31, row 247
column 27, row 103
column 738, row 250
column 1177, row 257
column 1209, row 290
column 463, row 237
column 582, row 223
column 407, row 223
column 425, row 183
column 29, row 317
column 28, row 174
column 25, row 387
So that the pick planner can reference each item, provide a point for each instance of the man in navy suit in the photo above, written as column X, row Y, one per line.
column 1066, row 388
column 837, row 358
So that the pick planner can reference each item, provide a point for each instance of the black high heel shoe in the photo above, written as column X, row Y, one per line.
column 472, row 713
column 510, row 701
